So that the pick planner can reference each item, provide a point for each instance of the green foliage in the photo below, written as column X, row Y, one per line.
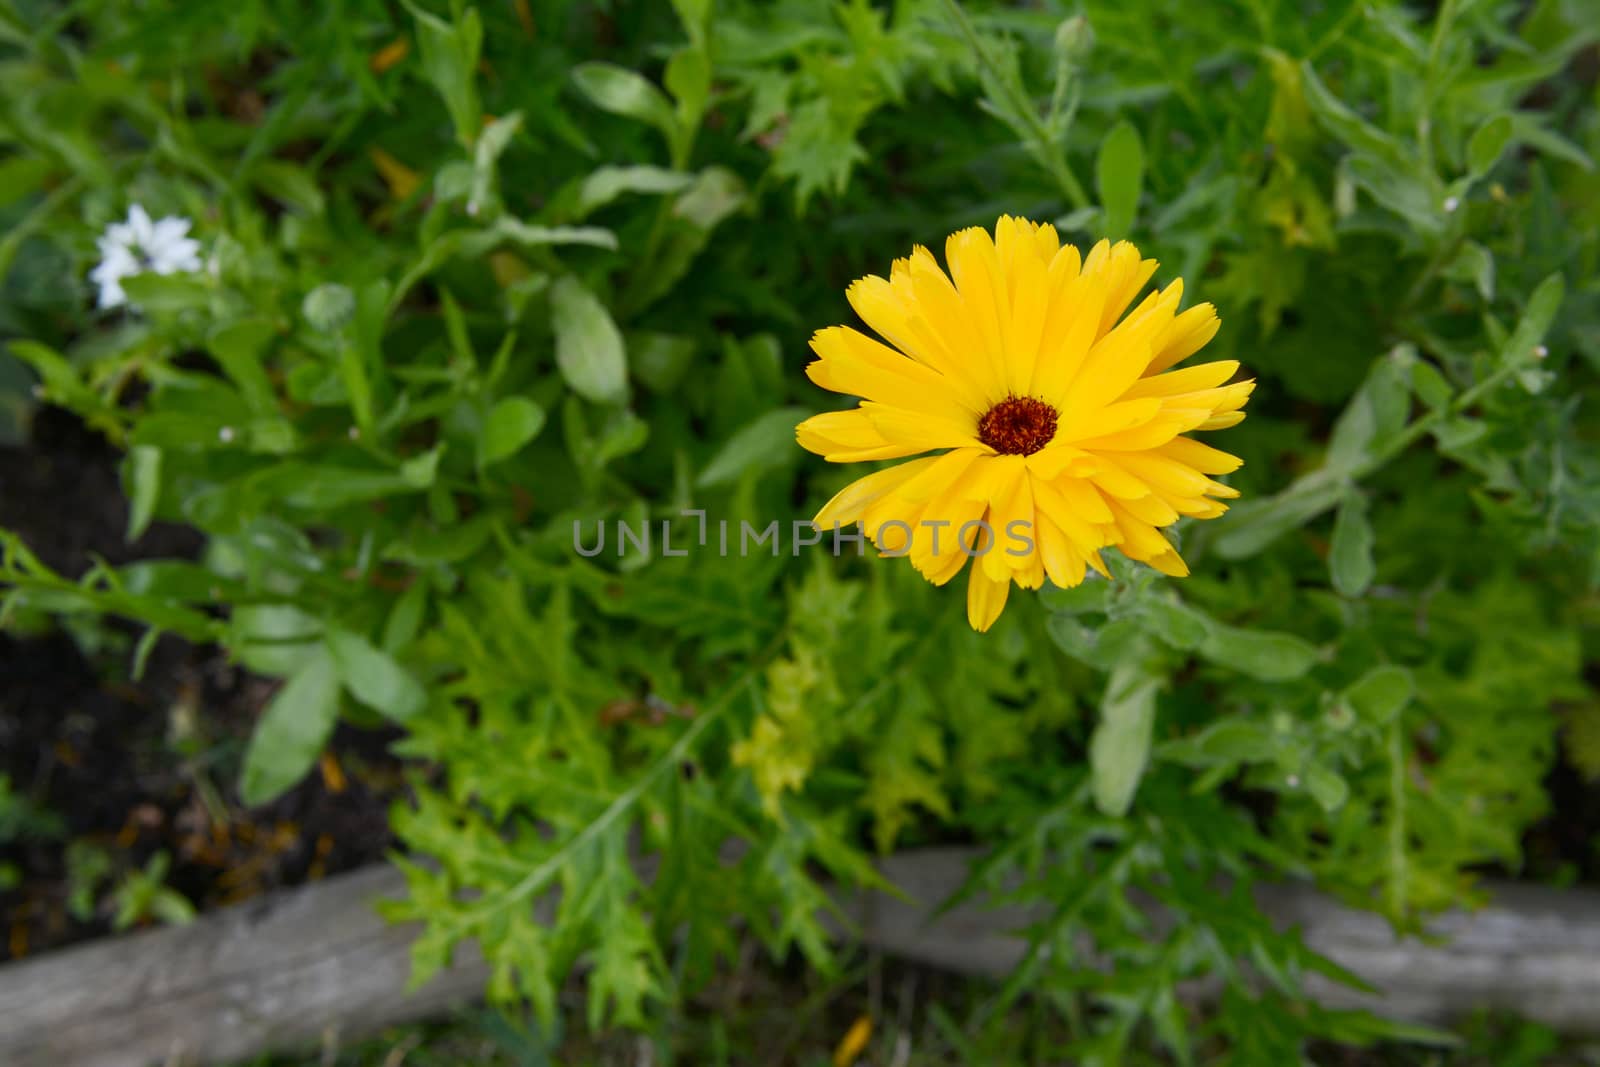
column 542, row 268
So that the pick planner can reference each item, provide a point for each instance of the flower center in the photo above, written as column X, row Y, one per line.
column 1018, row 426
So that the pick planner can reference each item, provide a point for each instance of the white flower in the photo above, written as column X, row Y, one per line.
column 140, row 245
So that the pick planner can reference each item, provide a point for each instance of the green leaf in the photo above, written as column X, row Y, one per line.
column 373, row 677
column 155, row 293
column 589, row 348
column 144, row 488
column 1120, row 746
column 1350, row 128
column 293, row 731
column 1475, row 264
column 1488, row 144
column 1536, row 319
column 273, row 638
column 474, row 244
column 299, row 485
column 492, row 142
column 607, row 183
column 357, row 386
column 1224, row 743
column 1091, row 594
column 1381, row 693
column 1252, row 525
column 1327, row 788
column 762, row 443
column 1176, row 624
column 1374, row 415
column 1119, row 174
column 695, row 16
column 1430, row 386
column 1350, row 556
column 241, row 348
column 329, row 307
column 511, row 424
column 625, row 92
column 450, row 55
column 688, row 79
column 660, row 360
column 1265, row 654
column 421, row 470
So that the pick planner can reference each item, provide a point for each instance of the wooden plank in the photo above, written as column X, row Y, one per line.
column 284, row 970
column 271, row 973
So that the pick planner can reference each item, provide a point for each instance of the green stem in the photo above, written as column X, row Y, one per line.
column 1399, row 865
column 1048, row 149
column 1419, row 427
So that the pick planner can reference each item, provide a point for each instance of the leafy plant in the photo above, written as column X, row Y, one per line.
column 483, row 281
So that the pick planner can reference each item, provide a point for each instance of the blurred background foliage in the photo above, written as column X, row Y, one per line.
column 475, row 272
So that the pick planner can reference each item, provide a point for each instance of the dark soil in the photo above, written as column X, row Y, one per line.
column 138, row 768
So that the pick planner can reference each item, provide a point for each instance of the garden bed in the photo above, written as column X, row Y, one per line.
column 293, row 968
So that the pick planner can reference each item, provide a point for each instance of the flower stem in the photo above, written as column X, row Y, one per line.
column 1045, row 146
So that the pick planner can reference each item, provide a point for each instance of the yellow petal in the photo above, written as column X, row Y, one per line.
column 848, row 504
column 1065, row 566
column 1186, row 335
column 1069, row 331
column 1160, row 473
column 945, row 470
column 848, row 437
column 851, row 362
column 1203, row 458
column 986, row 599
column 1188, row 380
column 1165, row 426
column 918, row 428
column 1117, row 418
column 975, row 267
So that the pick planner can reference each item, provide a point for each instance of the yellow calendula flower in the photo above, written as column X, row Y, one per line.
column 1057, row 424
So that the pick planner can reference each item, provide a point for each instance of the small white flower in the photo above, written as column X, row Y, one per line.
column 1451, row 203
column 140, row 245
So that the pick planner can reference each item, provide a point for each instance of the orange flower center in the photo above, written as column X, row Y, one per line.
column 1018, row 426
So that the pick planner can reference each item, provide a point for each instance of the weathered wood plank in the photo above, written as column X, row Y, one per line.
column 282, row 971
column 270, row 973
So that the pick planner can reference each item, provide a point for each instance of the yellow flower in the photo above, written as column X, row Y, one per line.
column 1058, row 428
